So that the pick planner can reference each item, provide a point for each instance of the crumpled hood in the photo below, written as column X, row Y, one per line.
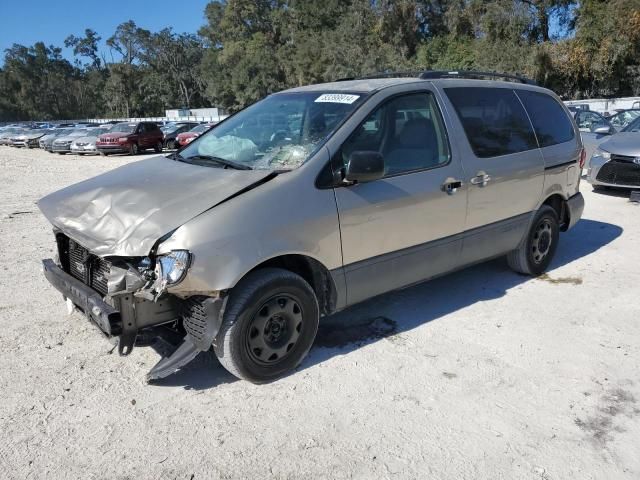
column 623, row 143
column 125, row 211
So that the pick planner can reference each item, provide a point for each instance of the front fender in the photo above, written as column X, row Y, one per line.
column 287, row 215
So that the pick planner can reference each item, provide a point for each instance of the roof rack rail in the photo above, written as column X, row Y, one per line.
column 434, row 74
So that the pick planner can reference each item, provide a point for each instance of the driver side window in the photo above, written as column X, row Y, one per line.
column 408, row 131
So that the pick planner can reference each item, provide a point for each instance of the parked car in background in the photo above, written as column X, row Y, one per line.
column 8, row 133
column 28, row 138
column 131, row 138
column 588, row 121
column 594, row 129
column 46, row 142
column 87, row 143
column 172, row 130
column 615, row 161
column 394, row 180
column 623, row 118
column 186, row 137
column 62, row 144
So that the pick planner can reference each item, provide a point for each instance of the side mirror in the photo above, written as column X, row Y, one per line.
column 364, row 166
column 603, row 130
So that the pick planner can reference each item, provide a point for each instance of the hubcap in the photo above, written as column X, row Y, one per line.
column 542, row 240
column 274, row 330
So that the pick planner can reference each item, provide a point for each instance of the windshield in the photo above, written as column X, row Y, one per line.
column 123, row 127
column 200, row 128
column 78, row 133
column 633, row 126
column 280, row 132
column 94, row 132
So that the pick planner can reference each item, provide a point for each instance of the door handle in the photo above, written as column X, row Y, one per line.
column 451, row 186
column 481, row 179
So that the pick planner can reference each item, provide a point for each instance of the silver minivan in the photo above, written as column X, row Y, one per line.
column 309, row 201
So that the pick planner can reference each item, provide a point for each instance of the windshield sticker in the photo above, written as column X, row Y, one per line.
column 337, row 98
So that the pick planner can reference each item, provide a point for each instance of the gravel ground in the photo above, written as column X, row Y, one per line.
column 480, row 374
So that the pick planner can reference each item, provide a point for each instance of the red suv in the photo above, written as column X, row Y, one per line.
column 130, row 138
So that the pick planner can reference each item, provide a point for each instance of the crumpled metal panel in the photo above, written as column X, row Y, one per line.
column 125, row 211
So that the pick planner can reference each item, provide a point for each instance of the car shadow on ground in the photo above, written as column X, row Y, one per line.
column 399, row 311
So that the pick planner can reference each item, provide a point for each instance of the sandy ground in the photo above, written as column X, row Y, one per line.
column 482, row 374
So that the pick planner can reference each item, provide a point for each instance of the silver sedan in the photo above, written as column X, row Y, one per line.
column 615, row 162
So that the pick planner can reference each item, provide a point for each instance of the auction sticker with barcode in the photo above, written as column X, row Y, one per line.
column 337, row 98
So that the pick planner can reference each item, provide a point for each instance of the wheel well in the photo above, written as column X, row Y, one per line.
column 314, row 272
column 559, row 204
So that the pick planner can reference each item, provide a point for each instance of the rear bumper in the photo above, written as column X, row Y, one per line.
column 107, row 318
column 575, row 205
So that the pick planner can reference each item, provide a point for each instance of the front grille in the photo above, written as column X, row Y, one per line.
column 620, row 171
column 83, row 265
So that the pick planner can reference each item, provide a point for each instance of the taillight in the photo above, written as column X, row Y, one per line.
column 583, row 157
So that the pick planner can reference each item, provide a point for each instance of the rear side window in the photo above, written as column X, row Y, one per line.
column 550, row 121
column 493, row 119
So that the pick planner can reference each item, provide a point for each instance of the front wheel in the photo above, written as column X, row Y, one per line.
column 133, row 149
column 535, row 252
column 269, row 325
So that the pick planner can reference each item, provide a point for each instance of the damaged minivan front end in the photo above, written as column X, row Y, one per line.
column 127, row 299
column 107, row 263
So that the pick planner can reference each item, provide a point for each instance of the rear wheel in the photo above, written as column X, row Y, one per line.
column 269, row 325
column 537, row 249
column 133, row 149
column 158, row 147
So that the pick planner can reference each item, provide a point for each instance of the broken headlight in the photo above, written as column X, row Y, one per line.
column 172, row 267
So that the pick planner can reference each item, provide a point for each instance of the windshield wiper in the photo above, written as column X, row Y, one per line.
column 219, row 161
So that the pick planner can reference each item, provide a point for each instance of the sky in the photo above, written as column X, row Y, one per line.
column 51, row 21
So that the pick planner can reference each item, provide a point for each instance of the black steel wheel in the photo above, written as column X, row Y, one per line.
column 269, row 325
column 274, row 330
column 535, row 252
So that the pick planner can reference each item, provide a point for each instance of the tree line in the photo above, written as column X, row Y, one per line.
column 250, row 48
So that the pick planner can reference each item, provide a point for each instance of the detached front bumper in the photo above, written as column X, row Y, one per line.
column 103, row 315
column 137, row 321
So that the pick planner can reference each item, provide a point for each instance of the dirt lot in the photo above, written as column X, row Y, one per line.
column 480, row 374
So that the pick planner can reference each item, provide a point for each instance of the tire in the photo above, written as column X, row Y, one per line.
column 538, row 247
column 158, row 147
column 103, row 154
column 133, row 149
column 270, row 322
